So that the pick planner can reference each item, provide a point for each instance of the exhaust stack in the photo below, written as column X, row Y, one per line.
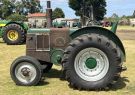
column 49, row 14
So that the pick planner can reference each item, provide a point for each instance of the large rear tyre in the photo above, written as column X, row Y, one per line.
column 91, row 61
column 14, row 34
column 26, row 71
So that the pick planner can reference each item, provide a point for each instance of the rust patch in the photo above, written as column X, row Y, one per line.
column 59, row 37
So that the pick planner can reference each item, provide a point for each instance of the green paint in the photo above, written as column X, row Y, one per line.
column 56, row 56
column 25, row 26
column 0, row 32
column 91, row 63
column 114, row 27
column 72, row 30
column 4, row 23
column 38, row 30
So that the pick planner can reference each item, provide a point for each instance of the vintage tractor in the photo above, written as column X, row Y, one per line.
column 13, row 33
column 91, row 57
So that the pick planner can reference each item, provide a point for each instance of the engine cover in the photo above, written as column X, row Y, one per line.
column 59, row 37
column 40, row 42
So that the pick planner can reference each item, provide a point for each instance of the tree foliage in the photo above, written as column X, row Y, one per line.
column 98, row 7
column 58, row 13
column 16, row 17
column 29, row 6
column 6, row 8
column 134, row 14
column 22, row 7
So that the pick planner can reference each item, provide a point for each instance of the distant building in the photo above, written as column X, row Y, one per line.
column 37, row 20
column 124, row 21
column 68, row 22
column 132, row 21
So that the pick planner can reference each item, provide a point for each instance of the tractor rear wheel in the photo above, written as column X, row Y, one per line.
column 91, row 61
column 26, row 71
column 14, row 34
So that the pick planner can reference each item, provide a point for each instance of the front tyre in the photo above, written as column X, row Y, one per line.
column 26, row 71
column 91, row 61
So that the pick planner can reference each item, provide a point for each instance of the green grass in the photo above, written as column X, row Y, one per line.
column 52, row 85
column 123, row 28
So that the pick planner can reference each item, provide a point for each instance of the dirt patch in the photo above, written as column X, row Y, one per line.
column 126, row 34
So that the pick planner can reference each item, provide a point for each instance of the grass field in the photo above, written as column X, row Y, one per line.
column 52, row 85
column 124, row 28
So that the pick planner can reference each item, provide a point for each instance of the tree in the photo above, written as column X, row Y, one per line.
column 28, row 6
column 58, row 13
column 16, row 17
column 82, row 6
column 22, row 7
column 6, row 8
column 114, row 15
column 134, row 14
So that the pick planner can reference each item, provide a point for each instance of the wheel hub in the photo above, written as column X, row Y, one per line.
column 91, row 63
column 12, row 35
column 25, row 72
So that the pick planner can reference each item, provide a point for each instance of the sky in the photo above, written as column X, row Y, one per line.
column 120, row 7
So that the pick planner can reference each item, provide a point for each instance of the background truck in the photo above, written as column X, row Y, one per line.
column 91, row 57
column 13, row 33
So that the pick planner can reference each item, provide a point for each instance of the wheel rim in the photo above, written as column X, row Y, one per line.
column 12, row 35
column 91, row 64
column 25, row 72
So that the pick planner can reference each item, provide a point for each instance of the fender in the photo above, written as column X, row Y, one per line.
column 102, row 31
column 22, row 24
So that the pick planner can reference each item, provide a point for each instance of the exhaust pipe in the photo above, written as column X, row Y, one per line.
column 49, row 14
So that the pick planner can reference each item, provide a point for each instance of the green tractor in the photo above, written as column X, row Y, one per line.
column 91, row 57
column 13, row 33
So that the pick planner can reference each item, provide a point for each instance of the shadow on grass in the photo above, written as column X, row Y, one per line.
column 120, row 84
column 53, row 73
column 43, row 83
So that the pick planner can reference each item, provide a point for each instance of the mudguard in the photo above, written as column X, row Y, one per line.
column 99, row 30
column 24, row 26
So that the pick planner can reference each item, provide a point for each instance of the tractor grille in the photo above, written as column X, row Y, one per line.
column 43, row 42
column 38, row 46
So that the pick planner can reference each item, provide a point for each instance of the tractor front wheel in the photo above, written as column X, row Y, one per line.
column 14, row 34
column 26, row 71
column 91, row 61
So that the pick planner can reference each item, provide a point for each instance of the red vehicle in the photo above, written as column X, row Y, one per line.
column 106, row 23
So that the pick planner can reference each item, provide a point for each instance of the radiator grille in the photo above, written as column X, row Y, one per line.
column 43, row 42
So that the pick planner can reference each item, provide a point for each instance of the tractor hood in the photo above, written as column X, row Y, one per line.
column 3, row 23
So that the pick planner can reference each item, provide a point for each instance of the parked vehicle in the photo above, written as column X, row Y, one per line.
column 91, row 57
column 13, row 33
